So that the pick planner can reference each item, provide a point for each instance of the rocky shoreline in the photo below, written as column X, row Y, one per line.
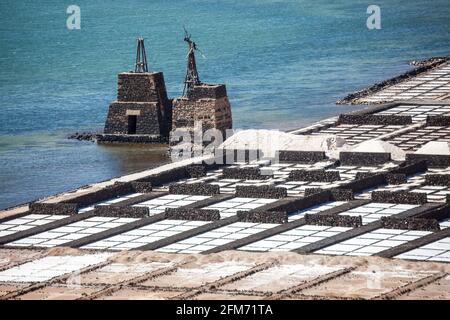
column 421, row 66
column 83, row 136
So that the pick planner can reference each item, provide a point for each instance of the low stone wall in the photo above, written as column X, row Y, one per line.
column 196, row 171
column 438, row 121
column 420, row 224
column 243, row 173
column 336, row 193
column 433, row 160
column 53, row 208
column 267, row 192
column 140, row 139
column 121, row 212
column 396, row 178
column 348, row 158
column 333, row 220
column 371, row 119
column 118, row 189
column 411, row 167
column 401, row 197
column 166, row 176
column 437, row 179
column 295, row 204
column 314, row 175
column 301, row 156
column 256, row 216
column 365, row 183
column 141, row 187
column 198, row 189
column 192, row 214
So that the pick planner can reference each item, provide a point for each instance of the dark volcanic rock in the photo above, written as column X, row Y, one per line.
column 301, row 156
column 333, row 220
column 348, row 158
column 437, row 179
column 141, row 187
column 243, row 173
column 196, row 171
column 198, row 189
column 410, row 224
column 268, row 192
column 192, row 214
column 256, row 216
column 371, row 119
column 314, row 175
column 121, row 212
column 396, row 178
column 53, row 208
column 401, row 197
column 83, row 136
column 336, row 193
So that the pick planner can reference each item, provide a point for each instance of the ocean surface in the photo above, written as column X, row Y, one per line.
column 285, row 63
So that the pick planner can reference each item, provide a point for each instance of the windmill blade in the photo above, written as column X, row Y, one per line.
column 201, row 53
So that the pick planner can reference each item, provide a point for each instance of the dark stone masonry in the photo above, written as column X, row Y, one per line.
column 433, row 160
column 314, row 175
column 198, row 189
column 143, row 113
column 142, row 106
column 419, row 224
column 196, row 171
column 243, row 173
column 256, row 216
column 268, row 192
column 192, row 214
column 53, row 208
column 121, row 211
column 437, row 179
column 438, row 121
column 333, row 220
column 371, row 119
column 141, row 187
column 396, row 178
column 301, row 156
column 348, row 158
column 401, row 197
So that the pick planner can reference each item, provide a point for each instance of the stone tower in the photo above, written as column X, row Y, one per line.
column 142, row 111
column 201, row 103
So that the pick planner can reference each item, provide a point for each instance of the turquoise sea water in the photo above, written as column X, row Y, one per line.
column 285, row 63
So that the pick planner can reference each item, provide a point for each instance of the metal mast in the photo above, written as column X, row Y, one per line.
column 141, row 57
column 192, row 77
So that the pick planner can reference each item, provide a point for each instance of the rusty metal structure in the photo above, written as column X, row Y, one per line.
column 141, row 57
column 192, row 78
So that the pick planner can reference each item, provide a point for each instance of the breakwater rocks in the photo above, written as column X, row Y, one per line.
column 422, row 66
column 83, row 136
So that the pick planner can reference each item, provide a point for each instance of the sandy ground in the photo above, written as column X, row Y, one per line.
column 233, row 275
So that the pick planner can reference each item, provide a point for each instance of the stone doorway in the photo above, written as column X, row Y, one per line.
column 132, row 121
